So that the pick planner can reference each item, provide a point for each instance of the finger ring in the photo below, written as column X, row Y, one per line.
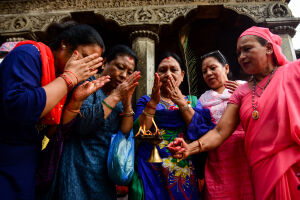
column 181, row 156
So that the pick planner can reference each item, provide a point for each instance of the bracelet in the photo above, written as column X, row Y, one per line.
column 73, row 75
column 107, row 105
column 67, row 79
column 149, row 106
column 128, row 114
column 200, row 146
column 73, row 111
column 148, row 114
column 186, row 107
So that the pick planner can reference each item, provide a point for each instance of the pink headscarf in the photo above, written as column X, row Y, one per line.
column 275, row 40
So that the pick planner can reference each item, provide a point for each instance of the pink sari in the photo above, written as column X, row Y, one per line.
column 272, row 142
column 227, row 172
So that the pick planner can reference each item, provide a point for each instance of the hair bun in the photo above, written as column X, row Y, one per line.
column 56, row 28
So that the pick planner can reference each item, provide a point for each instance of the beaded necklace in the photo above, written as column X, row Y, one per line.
column 166, row 104
column 255, row 114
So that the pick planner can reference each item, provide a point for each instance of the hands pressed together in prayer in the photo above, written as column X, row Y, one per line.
column 125, row 90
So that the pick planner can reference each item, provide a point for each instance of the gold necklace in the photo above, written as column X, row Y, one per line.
column 168, row 102
column 255, row 113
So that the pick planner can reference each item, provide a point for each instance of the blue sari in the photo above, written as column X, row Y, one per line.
column 173, row 178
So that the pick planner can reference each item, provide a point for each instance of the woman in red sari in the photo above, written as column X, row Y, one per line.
column 269, row 110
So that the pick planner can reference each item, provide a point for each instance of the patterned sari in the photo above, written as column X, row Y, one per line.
column 171, row 179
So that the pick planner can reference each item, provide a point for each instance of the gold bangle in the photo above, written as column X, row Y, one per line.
column 148, row 114
column 128, row 114
column 73, row 111
column 200, row 145
column 186, row 107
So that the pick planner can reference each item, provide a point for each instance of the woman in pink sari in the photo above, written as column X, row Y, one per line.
column 227, row 172
column 269, row 110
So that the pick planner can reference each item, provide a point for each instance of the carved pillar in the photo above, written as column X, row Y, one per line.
column 282, row 22
column 144, row 46
column 286, row 33
column 277, row 17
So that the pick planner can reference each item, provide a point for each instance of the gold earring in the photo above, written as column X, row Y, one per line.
column 63, row 46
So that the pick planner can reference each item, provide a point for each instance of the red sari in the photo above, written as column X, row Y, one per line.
column 272, row 142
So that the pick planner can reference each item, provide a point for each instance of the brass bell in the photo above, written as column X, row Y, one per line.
column 154, row 156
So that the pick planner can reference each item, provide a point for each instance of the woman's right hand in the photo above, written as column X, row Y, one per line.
column 85, row 67
column 179, row 148
column 155, row 96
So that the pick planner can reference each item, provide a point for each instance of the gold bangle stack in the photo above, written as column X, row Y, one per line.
column 186, row 107
column 128, row 114
column 148, row 114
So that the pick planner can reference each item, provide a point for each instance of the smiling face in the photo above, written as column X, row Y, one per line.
column 170, row 67
column 119, row 69
column 63, row 55
column 214, row 73
column 252, row 56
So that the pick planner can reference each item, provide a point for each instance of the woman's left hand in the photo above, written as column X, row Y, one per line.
column 173, row 91
column 88, row 88
column 231, row 85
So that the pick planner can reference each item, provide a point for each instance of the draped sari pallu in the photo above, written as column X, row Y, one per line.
column 272, row 142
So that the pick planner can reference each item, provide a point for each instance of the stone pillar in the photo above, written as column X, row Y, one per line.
column 286, row 33
column 281, row 22
column 143, row 43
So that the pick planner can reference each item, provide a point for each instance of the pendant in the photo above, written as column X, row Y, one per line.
column 255, row 114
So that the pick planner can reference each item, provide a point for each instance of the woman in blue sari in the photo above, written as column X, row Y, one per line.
column 82, row 172
column 176, row 115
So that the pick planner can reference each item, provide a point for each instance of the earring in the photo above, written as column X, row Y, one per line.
column 63, row 46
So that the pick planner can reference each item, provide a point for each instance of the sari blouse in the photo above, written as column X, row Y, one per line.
column 272, row 141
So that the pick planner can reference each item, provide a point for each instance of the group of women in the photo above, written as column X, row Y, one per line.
column 69, row 87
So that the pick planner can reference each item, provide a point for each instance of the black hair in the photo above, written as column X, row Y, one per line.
column 217, row 55
column 261, row 40
column 119, row 50
column 73, row 35
column 169, row 54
